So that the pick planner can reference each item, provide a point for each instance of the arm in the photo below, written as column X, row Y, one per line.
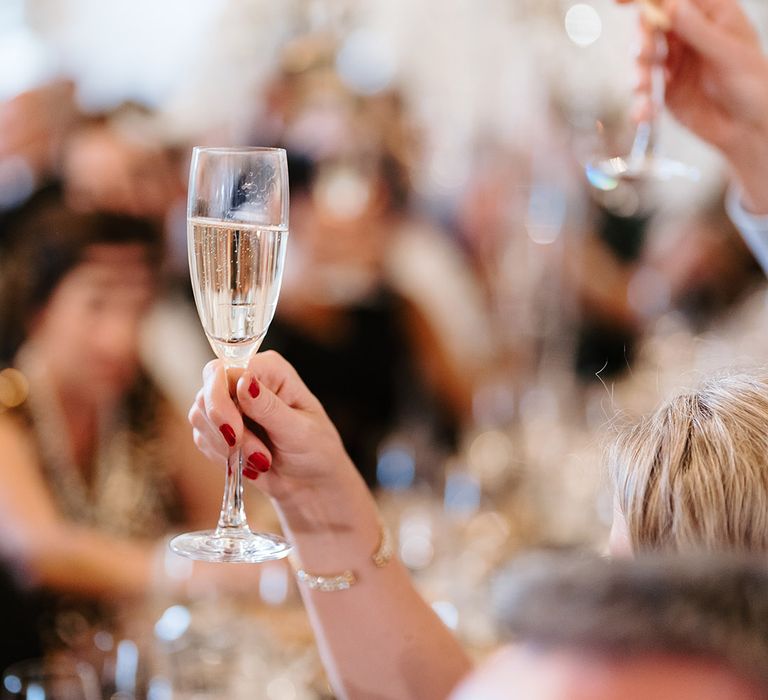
column 48, row 550
column 35, row 124
column 378, row 639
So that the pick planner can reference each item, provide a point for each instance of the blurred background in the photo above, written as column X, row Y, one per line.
column 476, row 319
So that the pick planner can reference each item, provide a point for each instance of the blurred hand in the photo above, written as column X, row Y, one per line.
column 301, row 451
column 104, row 170
column 34, row 123
column 717, row 85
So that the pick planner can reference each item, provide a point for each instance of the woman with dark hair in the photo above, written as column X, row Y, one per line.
column 95, row 466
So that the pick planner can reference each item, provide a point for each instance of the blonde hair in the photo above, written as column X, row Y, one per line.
column 694, row 474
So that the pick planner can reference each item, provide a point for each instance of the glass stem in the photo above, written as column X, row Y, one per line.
column 232, row 519
column 645, row 143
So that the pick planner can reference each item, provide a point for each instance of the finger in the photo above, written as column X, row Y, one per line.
column 211, row 451
column 709, row 38
column 200, row 422
column 647, row 50
column 654, row 14
column 713, row 125
column 278, row 375
column 726, row 13
column 257, row 458
column 676, row 51
column 643, row 82
column 266, row 408
column 197, row 406
column 219, row 406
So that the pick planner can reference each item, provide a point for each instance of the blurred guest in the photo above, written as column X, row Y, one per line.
column 599, row 273
column 95, row 466
column 696, row 265
column 651, row 628
column 117, row 163
column 34, row 126
column 378, row 309
column 699, row 266
column 694, row 474
column 110, row 163
column 338, row 320
column 368, row 348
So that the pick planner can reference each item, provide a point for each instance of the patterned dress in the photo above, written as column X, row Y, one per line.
column 129, row 495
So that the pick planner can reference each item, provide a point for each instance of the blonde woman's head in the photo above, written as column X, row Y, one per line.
column 694, row 474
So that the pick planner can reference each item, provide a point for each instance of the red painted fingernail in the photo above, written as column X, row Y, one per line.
column 253, row 388
column 251, row 474
column 258, row 461
column 229, row 434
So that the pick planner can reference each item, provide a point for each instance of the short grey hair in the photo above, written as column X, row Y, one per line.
column 703, row 606
column 694, row 474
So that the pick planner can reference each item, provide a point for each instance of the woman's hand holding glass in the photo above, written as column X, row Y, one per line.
column 297, row 451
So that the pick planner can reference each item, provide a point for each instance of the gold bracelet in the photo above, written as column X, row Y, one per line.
column 330, row 583
column 382, row 556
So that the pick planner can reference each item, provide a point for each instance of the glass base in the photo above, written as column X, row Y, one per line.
column 608, row 173
column 239, row 546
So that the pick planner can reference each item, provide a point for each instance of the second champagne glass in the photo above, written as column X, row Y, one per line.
column 237, row 233
column 645, row 160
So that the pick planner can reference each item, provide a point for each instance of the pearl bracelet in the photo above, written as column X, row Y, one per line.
column 330, row 583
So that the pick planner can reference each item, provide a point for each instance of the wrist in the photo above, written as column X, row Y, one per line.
column 313, row 500
column 749, row 169
column 331, row 526
column 330, row 504
column 754, row 196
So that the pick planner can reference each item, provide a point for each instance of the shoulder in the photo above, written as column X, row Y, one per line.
column 20, row 465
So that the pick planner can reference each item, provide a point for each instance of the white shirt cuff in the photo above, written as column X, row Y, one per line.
column 753, row 227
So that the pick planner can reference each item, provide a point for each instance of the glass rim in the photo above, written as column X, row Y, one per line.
column 232, row 150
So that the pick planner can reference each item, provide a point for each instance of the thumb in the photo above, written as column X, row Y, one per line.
column 266, row 408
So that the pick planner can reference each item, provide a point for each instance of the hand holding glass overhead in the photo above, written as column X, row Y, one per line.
column 717, row 86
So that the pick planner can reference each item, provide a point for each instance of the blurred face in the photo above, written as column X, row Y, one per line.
column 88, row 333
column 523, row 672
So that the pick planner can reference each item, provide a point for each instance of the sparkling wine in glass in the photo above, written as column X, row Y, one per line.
column 237, row 227
column 645, row 161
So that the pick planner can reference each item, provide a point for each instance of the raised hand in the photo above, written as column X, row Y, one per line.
column 290, row 445
column 717, row 84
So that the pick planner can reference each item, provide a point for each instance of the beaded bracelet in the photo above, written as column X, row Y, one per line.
column 330, row 583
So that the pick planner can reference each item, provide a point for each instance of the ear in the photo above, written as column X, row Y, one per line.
column 619, row 541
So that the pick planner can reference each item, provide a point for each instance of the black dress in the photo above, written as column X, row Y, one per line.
column 365, row 377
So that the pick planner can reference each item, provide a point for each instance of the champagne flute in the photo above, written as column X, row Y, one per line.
column 645, row 162
column 237, row 226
